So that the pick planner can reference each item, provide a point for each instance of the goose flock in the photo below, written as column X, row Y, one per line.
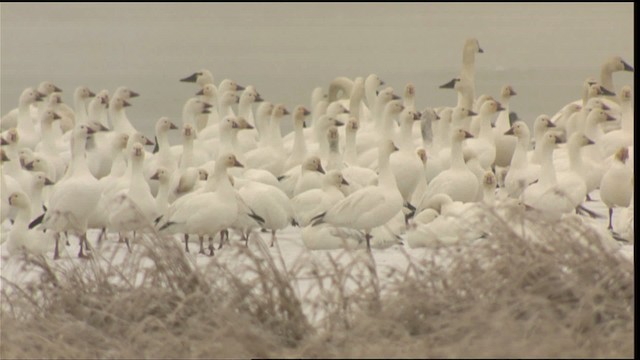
column 362, row 168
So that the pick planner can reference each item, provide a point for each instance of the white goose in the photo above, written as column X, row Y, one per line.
column 8, row 185
column 209, row 212
column 458, row 181
column 298, row 151
column 75, row 196
column 371, row 206
column 162, row 156
column 20, row 238
column 134, row 208
column 521, row 173
column 505, row 145
column 315, row 201
column 484, row 145
column 616, row 187
column 301, row 178
column 28, row 135
column 273, row 156
column 614, row 140
column 405, row 163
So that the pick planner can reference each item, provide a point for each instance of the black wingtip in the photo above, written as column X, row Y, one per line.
column 37, row 221
column 166, row 225
column 156, row 147
column 256, row 217
column 281, row 177
column 318, row 219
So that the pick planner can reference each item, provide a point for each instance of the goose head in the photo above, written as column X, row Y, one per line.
column 438, row 202
column 578, row 139
column 202, row 174
column 490, row 107
column 83, row 93
column 40, row 180
column 542, row 123
column 229, row 123
column 250, row 95
column 48, row 116
column 407, row 117
column 25, row 156
column 312, row 163
column 264, row 110
column 3, row 156
column 333, row 137
column 373, row 81
column 243, row 124
column 195, row 106
column 188, row 133
column 599, row 115
column 317, row 95
column 120, row 141
column 139, row 138
column 11, row 136
column 229, row 85
column 19, row 200
column 100, row 101
column 549, row 140
column 626, row 94
column 622, row 155
column 615, row 63
column 422, row 154
column 228, row 160
column 459, row 135
column 299, row 114
column 507, row 92
column 394, row 107
column 520, row 130
column 229, row 98
column 335, row 108
column 55, row 99
column 409, row 91
column 29, row 96
column 137, row 153
column 162, row 175
column 571, row 109
column 47, row 88
column 387, row 95
column 164, row 124
column 472, row 46
column 209, row 91
column 334, row 178
column 460, row 113
column 125, row 93
column 279, row 111
column 202, row 77
column 352, row 125
column 598, row 90
column 489, row 180
column 118, row 103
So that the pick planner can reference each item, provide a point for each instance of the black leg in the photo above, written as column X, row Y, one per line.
column 211, row 246
column 201, row 238
column 186, row 242
column 368, row 238
column 610, row 217
column 56, row 254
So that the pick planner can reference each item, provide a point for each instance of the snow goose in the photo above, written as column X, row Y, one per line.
column 20, row 237
column 484, row 145
column 371, row 206
column 209, row 95
column 162, row 156
column 505, row 145
column 133, row 209
column 250, row 96
column 49, row 146
column 81, row 97
column 208, row 212
column 119, row 120
column 162, row 196
column 521, row 173
column 384, row 131
column 356, row 175
column 13, row 168
column 405, row 163
column 590, row 100
column 458, row 181
column 74, row 197
column 263, row 112
column 301, row 178
column 317, row 95
column 465, row 91
column 593, row 130
column 469, row 51
column 624, row 223
column 8, row 185
column 202, row 78
column 28, row 135
column 546, row 195
column 611, row 65
column 371, row 84
column 540, row 127
column 184, row 180
column 573, row 182
column 616, row 139
column 340, row 85
column 315, row 201
column 616, row 186
column 298, row 151
column 272, row 156
column 215, row 114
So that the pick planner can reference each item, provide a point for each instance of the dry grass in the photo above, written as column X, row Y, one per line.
column 555, row 292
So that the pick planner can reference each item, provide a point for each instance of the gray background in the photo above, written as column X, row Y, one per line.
column 286, row 49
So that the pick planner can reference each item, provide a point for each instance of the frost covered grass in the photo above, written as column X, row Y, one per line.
column 554, row 291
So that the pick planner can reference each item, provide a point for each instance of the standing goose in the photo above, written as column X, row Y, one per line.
column 20, row 237
column 405, row 163
column 505, row 145
column 521, row 173
column 371, row 206
column 616, row 187
column 484, row 145
column 73, row 198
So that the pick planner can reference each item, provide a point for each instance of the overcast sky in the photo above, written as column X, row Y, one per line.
column 286, row 49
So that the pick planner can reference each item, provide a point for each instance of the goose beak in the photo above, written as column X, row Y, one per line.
column 204, row 175
column 104, row 100
column 395, row 97
column 3, row 156
column 172, row 126
column 510, row 131
column 627, row 67
column 56, row 89
column 125, row 103
column 239, row 87
column 551, row 125
column 480, row 50
column 148, row 141
column 610, row 118
column 416, row 116
column 133, row 94
column 559, row 139
column 437, row 117
column 344, row 182
column 102, row 128
column 589, row 141
column 248, row 126
column 304, row 125
column 605, row 107
column 3, row 142
column 259, row 98
column 200, row 92
column 607, row 92
column 339, row 123
column 206, row 111
column 28, row 166
column 467, row 135
column 90, row 130
column 286, row 112
column 234, row 125
column 191, row 78
column 500, row 108
column 512, row 92
column 155, row 176
column 237, row 163
column 207, row 105
column 56, row 116
column 320, row 169
column 472, row 113
column 39, row 96
column 449, row 85
column 395, row 148
column 382, row 82
column 306, row 112
column 91, row 93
